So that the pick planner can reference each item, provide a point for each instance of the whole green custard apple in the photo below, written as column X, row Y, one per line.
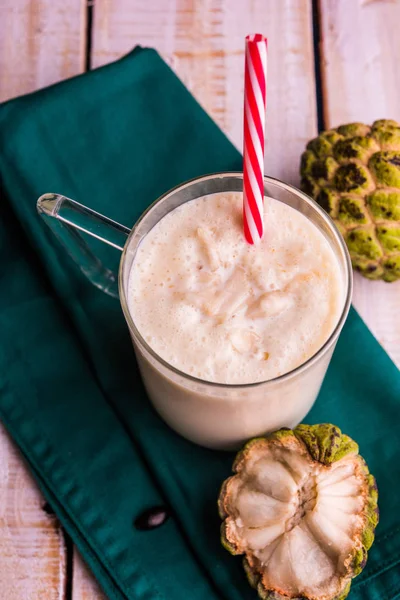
column 302, row 508
column 353, row 172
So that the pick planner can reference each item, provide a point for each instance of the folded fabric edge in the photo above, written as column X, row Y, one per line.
column 60, row 84
column 107, row 583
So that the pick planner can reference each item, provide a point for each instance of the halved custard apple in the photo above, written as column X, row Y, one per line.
column 302, row 508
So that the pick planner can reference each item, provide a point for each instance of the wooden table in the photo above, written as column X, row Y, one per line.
column 329, row 63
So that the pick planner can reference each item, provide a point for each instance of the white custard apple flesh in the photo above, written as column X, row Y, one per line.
column 353, row 172
column 302, row 508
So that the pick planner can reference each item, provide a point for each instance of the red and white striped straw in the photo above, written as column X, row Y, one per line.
column 255, row 92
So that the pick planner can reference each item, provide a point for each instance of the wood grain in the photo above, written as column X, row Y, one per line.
column 32, row 549
column 84, row 586
column 41, row 42
column 361, row 52
column 203, row 41
column 361, row 81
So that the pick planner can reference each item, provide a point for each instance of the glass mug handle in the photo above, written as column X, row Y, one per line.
column 66, row 218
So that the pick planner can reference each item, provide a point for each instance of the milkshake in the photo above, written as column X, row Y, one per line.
column 221, row 328
column 221, row 310
column 233, row 341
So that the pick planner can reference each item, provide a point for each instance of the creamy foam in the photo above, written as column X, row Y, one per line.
column 224, row 311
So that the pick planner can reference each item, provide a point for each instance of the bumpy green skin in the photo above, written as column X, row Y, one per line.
column 353, row 172
column 372, row 513
column 326, row 444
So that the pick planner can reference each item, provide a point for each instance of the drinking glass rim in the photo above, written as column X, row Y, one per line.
column 240, row 386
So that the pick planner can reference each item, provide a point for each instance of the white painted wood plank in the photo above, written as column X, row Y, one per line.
column 40, row 43
column 361, row 80
column 84, row 586
column 204, row 42
column 32, row 550
column 361, row 51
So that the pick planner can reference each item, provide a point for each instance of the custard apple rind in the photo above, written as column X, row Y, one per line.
column 267, row 595
column 326, row 444
column 254, row 580
column 353, row 172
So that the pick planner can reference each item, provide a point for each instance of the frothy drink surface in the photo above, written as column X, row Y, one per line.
column 224, row 311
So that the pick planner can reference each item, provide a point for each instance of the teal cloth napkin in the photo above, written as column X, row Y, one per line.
column 70, row 395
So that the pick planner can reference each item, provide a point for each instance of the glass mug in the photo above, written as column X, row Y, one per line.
column 215, row 415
